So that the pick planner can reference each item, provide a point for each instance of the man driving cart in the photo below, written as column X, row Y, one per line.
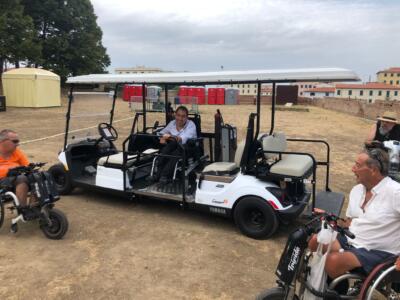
column 178, row 131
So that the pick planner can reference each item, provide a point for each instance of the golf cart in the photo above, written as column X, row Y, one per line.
column 259, row 182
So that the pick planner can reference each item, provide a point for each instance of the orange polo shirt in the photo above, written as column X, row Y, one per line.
column 18, row 158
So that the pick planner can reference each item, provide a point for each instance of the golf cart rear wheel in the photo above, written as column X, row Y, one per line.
column 62, row 179
column 58, row 227
column 276, row 293
column 255, row 218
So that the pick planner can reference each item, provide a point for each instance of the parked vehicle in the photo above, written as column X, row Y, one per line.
column 257, row 181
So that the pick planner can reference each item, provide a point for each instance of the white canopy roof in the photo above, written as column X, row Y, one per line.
column 282, row 75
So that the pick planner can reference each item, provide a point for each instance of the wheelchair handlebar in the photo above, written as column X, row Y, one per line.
column 332, row 221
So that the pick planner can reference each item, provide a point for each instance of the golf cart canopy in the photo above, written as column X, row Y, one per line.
column 263, row 76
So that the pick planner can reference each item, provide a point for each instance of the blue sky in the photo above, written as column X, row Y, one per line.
column 251, row 34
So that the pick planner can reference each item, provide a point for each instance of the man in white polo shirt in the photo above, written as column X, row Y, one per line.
column 373, row 215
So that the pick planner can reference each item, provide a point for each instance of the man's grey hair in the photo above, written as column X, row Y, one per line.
column 4, row 134
column 379, row 159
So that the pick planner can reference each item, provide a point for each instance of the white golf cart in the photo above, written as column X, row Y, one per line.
column 259, row 183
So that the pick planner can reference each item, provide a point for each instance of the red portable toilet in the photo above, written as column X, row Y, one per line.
column 182, row 93
column 220, row 98
column 191, row 93
column 200, row 93
column 212, row 96
column 126, row 90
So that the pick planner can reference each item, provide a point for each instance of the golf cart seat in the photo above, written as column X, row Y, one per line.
column 291, row 165
column 117, row 160
column 226, row 168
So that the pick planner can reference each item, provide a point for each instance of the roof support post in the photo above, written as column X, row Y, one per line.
column 68, row 116
column 144, row 106
column 273, row 108
column 113, row 104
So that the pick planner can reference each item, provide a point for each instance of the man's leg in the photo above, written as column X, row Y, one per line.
column 162, row 161
column 22, row 189
column 168, row 169
column 338, row 263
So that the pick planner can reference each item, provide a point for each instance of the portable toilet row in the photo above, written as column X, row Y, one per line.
column 216, row 96
column 192, row 95
column 231, row 96
column 132, row 92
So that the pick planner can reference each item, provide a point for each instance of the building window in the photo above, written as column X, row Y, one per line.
column 312, row 94
column 248, row 91
column 326, row 94
column 396, row 93
column 361, row 93
column 338, row 92
column 380, row 93
column 350, row 92
column 301, row 93
column 255, row 91
column 398, row 82
column 301, row 86
column 391, row 74
column 371, row 93
column 387, row 93
column 384, row 81
column 391, row 81
column 385, row 75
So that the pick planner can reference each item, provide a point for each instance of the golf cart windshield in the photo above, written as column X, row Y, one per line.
column 88, row 110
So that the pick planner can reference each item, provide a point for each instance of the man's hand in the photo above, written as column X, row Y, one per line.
column 164, row 138
column 397, row 264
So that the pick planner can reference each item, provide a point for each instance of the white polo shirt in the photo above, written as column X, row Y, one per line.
column 379, row 226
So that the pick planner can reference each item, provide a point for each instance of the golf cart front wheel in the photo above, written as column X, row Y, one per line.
column 58, row 226
column 255, row 217
column 62, row 179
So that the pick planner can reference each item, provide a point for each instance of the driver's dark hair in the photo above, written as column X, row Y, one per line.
column 182, row 108
column 379, row 159
column 4, row 134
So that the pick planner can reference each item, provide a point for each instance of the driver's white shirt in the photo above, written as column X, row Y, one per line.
column 187, row 132
column 378, row 226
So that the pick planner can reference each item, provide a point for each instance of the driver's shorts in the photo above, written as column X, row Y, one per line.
column 13, row 181
column 369, row 259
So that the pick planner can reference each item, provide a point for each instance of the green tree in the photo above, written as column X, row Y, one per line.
column 69, row 36
column 17, row 35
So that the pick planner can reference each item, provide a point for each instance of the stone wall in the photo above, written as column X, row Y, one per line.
column 353, row 107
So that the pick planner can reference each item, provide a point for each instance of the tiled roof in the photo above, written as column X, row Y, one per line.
column 390, row 70
column 368, row 86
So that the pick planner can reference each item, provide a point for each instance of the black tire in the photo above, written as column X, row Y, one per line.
column 255, row 218
column 59, row 225
column 1, row 211
column 276, row 293
column 62, row 179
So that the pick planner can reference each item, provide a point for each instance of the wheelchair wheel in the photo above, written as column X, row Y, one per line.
column 58, row 227
column 384, row 284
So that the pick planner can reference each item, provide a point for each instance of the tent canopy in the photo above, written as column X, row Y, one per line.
column 30, row 87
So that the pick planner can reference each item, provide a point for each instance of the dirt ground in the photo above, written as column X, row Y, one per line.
column 119, row 249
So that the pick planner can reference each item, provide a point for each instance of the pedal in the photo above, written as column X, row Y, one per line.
column 14, row 228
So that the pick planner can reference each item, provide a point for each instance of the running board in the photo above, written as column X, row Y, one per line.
column 169, row 191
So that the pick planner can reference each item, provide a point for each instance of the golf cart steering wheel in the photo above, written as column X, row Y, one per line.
column 107, row 132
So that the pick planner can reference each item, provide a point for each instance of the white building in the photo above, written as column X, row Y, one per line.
column 319, row 92
column 370, row 91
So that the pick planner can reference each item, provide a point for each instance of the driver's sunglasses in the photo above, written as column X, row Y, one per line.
column 15, row 141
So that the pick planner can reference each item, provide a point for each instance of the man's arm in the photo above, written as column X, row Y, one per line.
column 22, row 158
column 189, row 132
column 371, row 134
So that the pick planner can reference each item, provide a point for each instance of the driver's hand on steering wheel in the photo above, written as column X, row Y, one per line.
column 164, row 138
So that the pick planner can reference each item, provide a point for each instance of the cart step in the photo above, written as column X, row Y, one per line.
column 170, row 191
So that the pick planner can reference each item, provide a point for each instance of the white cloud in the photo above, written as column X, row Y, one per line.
column 202, row 35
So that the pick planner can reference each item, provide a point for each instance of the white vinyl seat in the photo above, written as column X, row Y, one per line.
column 293, row 165
column 118, row 159
column 226, row 167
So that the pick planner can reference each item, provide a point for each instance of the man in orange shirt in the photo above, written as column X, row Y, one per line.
column 11, row 157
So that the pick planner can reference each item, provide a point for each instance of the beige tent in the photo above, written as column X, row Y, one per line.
column 30, row 87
